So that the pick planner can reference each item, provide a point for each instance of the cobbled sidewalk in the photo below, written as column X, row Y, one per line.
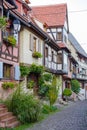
column 72, row 117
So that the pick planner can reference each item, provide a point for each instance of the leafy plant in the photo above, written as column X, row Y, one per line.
column 48, row 87
column 37, row 54
column 30, row 84
column 46, row 109
column 53, row 91
column 47, row 76
column 44, row 89
column 7, row 85
column 75, row 86
column 36, row 69
column 11, row 40
column 67, row 92
column 2, row 22
column 24, row 70
column 25, row 106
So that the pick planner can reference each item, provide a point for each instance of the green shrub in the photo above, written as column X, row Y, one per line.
column 24, row 106
column 48, row 87
column 43, row 89
column 46, row 109
column 30, row 84
column 53, row 91
column 75, row 86
column 7, row 85
column 47, row 76
column 36, row 69
column 24, row 70
column 67, row 92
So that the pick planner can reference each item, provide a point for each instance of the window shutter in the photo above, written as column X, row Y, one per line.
column 39, row 46
column 17, row 72
column 31, row 42
column 1, row 70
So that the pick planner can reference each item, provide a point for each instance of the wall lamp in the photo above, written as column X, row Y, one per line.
column 16, row 25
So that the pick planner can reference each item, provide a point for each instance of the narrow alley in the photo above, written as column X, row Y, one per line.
column 73, row 117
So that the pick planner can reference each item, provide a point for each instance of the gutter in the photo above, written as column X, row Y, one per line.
column 13, row 3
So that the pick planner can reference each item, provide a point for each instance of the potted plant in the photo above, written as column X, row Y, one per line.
column 11, row 40
column 2, row 22
column 7, row 85
column 67, row 93
column 36, row 54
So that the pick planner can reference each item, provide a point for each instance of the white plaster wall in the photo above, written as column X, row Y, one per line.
column 25, row 53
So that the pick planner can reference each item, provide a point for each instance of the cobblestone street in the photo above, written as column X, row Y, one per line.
column 72, row 117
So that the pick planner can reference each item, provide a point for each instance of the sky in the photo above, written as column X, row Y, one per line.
column 77, row 17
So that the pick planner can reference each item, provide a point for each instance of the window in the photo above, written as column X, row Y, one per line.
column 52, row 56
column 65, row 61
column 46, row 52
column 59, row 36
column 7, row 71
column 65, row 39
column 59, row 58
column 33, row 43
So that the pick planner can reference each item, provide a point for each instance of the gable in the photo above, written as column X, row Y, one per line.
column 53, row 15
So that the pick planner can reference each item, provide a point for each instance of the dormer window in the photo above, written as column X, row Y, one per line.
column 55, row 33
column 59, row 36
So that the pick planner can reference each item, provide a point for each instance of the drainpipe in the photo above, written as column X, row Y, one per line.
column 85, row 92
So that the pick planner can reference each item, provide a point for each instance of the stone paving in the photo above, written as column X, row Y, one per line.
column 72, row 117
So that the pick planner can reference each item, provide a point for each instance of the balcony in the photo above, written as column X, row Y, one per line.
column 54, row 67
column 81, row 77
column 84, row 65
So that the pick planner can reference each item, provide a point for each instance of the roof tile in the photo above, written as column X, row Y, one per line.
column 53, row 15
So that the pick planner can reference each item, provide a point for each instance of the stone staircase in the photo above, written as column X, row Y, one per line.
column 7, row 119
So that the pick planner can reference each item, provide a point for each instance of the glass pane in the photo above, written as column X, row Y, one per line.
column 53, row 29
column 54, row 34
column 59, row 36
column 59, row 59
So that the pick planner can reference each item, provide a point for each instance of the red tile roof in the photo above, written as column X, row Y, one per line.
column 53, row 15
column 63, row 46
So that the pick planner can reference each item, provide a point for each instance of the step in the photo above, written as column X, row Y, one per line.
column 13, row 124
column 3, row 110
column 9, row 120
column 2, row 106
column 5, row 115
